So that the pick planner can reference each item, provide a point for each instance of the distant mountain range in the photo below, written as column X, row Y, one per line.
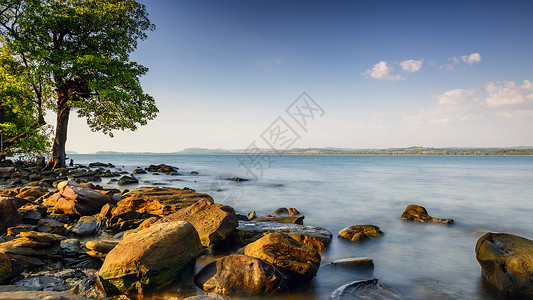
column 415, row 150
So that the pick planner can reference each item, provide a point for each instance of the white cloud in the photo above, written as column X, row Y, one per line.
column 411, row 65
column 472, row 58
column 468, row 59
column 382, row 71
column 502, row 93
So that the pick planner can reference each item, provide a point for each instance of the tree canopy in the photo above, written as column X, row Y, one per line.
column 79, row 53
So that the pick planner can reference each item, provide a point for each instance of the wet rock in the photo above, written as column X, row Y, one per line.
column 51, row 226
column 194, row 172
column 9, row 216
column 70, row 248
column 39, row 295
column 252, row 215
column 359, row 233
column 9, row 268
column 282, row 219
column 44, row 283
column 102, row 246
column 507, row 262
column 366, row 289
column 354, row 263
column 83, row 261
column 214, row 222
column 32, row 213
column 286, row 253
column 237, row 179
column 282, row 211
column 316, row 237
column 76, row 199
column 151, row 258
column 86, row 226
column 161, row 201
column 239, row 275
column 32, row 247
column 124, row 180
column 139, row 171
column 419, row 214
column 100, row 165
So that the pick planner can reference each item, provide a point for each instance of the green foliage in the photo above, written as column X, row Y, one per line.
column 83, row 46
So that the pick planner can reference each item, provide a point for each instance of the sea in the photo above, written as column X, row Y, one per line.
column 416, row 260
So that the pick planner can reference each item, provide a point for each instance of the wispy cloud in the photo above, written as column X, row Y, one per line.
column 468, row 59
column 411, row 65
column 382, row 71
column 501, row 99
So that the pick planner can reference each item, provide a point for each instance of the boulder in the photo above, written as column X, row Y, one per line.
column 302, row 261
column 127, row 180
column 354, row 263
column 70, row 248
column 239, row 275
column 316, row 237
column 51, row 226
column 213, row 222
column 359, row 233
column 507, row 262
column 282, row 211
column 9, row 268
column 32, row 212
column 161, row 201
column 9, row 216
column 76, row 199
column 86, row 226
column 32, row 247
column 150, row 259
column 31, row 192
column 139, row 171
column 418, row 213
column 366, row 289
column 102, row 246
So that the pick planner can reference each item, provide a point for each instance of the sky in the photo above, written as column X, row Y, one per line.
column 375, row 73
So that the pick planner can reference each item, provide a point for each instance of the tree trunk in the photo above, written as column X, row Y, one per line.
column 58, row 159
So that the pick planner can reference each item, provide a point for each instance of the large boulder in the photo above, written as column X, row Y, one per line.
column 418, row 213
column 73, row 198
column 213, row 222
column 250, row 231
column 9, row 267
column 302, row 261
column 239, row 275
column 8, row 213
column 151, row 258
column 507, row 262
column 161, row 201
column 359, row 233
column 365, row 289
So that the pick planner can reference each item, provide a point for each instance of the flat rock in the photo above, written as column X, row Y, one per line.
column 282, row 219
column 161, row 201
column 44, row 283
column 150, row 259
column 213, row 222
column 101, row 246
column 418, row 213
column 354, row 263
column 507, row 262
column 366, row 289
column 239, row 275
column 286, row 253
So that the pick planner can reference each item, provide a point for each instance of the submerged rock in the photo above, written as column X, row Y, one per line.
column 354, row 263
column 124, row 180
column 507, row 262
column 213, row 222
column 419, row 214
column 366, row 289
column 151, row 258
column 316, row 237
column 161, row 201
column 239, row 275
column 359, row 233
column 282, row 219
column 302, row 261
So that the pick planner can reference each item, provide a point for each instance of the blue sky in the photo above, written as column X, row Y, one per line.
column 386, row 73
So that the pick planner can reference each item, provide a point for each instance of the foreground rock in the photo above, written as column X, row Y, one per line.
column 359, row 233
column 33, row 248
column 75, row 199
column 302, row 261
column 418, row 213
column 366, row 289
column 239, row 275
column 214, row 222
column 9, row 268
column 507, row 262
column 316, row 237
column 39, row 295
column 161, row 201
column 150, row 259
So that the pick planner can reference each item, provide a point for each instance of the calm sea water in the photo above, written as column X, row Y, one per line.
column 418, row 261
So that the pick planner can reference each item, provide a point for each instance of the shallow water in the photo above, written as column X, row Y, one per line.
column 418, row 261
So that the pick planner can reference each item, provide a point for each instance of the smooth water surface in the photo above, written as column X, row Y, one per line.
column 418, row 261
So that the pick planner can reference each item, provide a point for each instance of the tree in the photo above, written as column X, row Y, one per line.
column 21, row 115
column 80, row 50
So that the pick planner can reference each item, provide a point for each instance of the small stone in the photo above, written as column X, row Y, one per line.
column 360, row 232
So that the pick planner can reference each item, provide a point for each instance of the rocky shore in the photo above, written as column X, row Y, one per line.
column 63, row 237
